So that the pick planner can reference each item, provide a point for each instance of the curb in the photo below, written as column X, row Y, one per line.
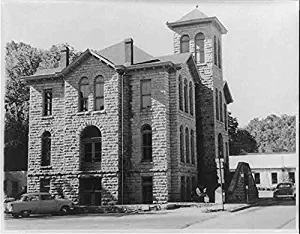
column 248, row 206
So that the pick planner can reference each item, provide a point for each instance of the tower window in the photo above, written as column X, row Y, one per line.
column 180, row 93
column 192, row 147
column 191, row 98
column 219, row 54
column 186, row 100
column 225, row 116
column 48, row 102
column 199, row 48
column 185, row 44
column 215, row 51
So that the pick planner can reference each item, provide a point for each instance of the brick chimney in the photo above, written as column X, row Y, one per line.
column 128, row 51
column 64, row 57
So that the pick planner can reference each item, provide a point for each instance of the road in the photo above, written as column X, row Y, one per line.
column 281, row 215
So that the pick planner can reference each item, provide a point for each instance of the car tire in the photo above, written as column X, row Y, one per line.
column 64, row 210
column 15, row 215
column 25, row 213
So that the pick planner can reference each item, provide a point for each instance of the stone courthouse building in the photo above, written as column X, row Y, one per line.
column 121, row 125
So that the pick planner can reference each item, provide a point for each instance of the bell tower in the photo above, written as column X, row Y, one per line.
column 201, row 35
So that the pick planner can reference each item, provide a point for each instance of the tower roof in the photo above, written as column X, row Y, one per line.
column 196, row 17
column 194, row 14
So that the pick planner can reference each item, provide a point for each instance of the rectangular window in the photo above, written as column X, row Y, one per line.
column 274, row 178
column 45, row 185
column 257, row 178
column 47, row 102
column 146, row 94
column 225, row 117
column 147, row 190
column 90, row 191
column 292, row 177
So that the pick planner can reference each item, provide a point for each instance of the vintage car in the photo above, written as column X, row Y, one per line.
column 285, row 190
column 38, row 203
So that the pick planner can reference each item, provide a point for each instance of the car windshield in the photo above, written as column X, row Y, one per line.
column 24, row 198
column 284, row 186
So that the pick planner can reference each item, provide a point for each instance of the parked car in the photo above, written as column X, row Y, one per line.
column 38, row 203
column 285, row 190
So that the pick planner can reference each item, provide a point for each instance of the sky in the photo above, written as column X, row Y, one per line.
column 260, row 50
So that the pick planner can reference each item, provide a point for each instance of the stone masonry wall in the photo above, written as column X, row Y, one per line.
column 158, row 118
column 66, row 125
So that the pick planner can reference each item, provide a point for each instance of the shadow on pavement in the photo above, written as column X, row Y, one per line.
column 278, row 202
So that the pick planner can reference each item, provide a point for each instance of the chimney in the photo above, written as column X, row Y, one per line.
column 64, row 57
column 128, row 51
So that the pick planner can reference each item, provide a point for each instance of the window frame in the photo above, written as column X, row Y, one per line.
column 83, row 102
column 99, row 80
column 192, row 147
column 46, row 152
column 93, row 140
column 274, row 179
column 191, row 101
column 221, row 106
column 187, row 145
column 217, row 103
column 147, row 182
column 181, row 144
column 257, row 177
column 185, row 41
column 146, row 130
column 215, row 51
column 200, row 41
column 220, row 146
column 219, row 55
column 47, row 102
column 180, row 92
column 186, row 96
column 146, row 95
column 45, row 185
column 91, row 192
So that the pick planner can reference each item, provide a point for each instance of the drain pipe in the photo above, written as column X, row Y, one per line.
column 122, row 123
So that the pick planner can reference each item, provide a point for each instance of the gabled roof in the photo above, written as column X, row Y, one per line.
column 196, row 17
column 227, row 93
column 60, row 72
column 175, row 58
column 116, row 54
column 194, row 14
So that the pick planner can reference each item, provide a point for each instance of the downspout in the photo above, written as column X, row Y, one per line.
column 122, row 151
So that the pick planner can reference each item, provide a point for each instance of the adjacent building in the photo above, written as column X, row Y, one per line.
column 122, row 125
column 268, row 169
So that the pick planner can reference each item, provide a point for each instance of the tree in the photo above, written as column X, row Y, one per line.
column 240, row 140
column 274, row 133
column 22, row 60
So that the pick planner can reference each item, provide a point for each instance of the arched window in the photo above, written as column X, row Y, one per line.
column 181, row 144
column 91, row 144
column 192, row 147
column 46, row 149
column 217, row 103
column 191, row 98
column 215, row 51
column 99, row 93
column 185, row 44
column 220, row 146
column 187, row 145
column 83, row 94
column 219, row 54
column 199, row 48
column 186, row 99
column 180, row 93
column 221, row 106
column 225, row 116
column 147, row 143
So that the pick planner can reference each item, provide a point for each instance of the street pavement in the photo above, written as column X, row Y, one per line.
column 279, row 215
